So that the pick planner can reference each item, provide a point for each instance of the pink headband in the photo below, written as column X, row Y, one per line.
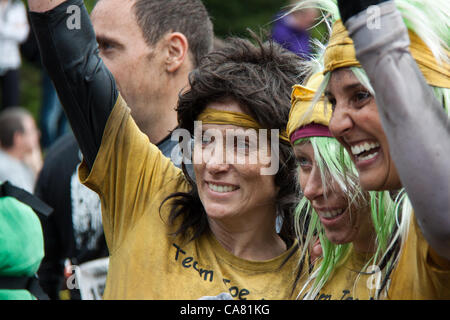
column 311, row 130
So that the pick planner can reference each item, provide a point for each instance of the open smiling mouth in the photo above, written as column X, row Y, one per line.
column 365, row 151
column 331, row 214
column 221, row 188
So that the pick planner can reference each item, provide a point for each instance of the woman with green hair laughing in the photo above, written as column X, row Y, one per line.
column 353, row 226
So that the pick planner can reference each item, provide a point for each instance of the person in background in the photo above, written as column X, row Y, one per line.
column 20, row 151
column 134, row 38
column 73, row 233
column 21, row 243
column 291, row 29
column 21, row 247
column 52, row 120
column 14, row 29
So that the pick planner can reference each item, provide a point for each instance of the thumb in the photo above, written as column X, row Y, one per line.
column 316, row 251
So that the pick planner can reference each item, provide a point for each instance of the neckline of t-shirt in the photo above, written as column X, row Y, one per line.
column 225, row 256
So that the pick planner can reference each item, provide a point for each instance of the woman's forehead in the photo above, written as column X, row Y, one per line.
column 342, row 80
column 303, row 147
column 238, row 130
column 226, row 105
column 342, row 73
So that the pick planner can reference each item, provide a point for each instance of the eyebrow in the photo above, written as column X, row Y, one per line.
column 352, row 86
column 102, row 39
column 348, row 87
column 301, row 154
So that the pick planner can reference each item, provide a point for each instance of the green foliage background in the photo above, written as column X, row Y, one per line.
column 233, row 17
column 230, row 17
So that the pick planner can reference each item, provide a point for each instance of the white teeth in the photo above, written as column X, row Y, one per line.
column 368, row 157
column 364, row 147
column 221, row 189
column 331, row 214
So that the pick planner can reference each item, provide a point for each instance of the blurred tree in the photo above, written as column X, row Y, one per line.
column 234, row 16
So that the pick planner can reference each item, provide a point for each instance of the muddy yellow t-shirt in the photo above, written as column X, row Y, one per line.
column 417, row 275
column 420, row 273
column 132, row 178
column 346, row 282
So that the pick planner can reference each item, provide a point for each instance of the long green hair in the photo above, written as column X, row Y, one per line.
column 391, row 213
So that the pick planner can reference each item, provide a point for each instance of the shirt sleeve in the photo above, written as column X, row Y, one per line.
column 130, row 174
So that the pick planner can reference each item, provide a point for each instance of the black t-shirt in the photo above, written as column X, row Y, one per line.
column 74, row 229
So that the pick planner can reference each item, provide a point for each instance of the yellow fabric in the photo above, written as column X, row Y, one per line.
column 132, row 178
column 340, row 53
column 214, row 116
column 416, row 276
column 436, row 74
column 341, row 285
column 301, row 113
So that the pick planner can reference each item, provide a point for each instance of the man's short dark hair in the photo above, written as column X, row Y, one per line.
column 189, row 17
column 11, row 121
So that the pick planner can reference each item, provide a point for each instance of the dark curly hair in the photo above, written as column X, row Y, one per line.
column 259, row 77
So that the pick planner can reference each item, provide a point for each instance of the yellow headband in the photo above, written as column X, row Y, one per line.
column 300, row 105
column 340, row 53
column 214, row 116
